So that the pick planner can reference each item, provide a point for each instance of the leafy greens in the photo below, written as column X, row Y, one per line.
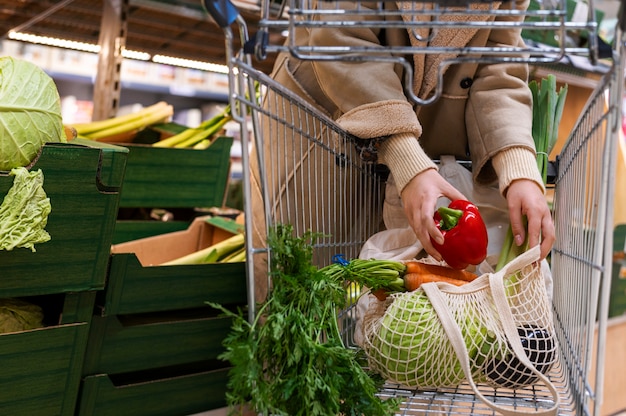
column 24, row 211
column 291, row 360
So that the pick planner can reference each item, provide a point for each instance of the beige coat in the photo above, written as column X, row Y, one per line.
column 483, row 110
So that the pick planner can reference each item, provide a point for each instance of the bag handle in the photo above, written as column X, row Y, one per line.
column 455, row 336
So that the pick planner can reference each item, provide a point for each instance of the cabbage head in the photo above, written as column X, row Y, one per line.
column 30, row 112
column 18, row 315
column 411, row 348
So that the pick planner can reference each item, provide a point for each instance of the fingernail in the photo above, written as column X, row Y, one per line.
column 518, row 240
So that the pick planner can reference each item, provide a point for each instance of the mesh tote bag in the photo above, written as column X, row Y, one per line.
column 497, row 330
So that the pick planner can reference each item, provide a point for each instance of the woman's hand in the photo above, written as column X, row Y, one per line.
column 419, row 198
column 525, row 198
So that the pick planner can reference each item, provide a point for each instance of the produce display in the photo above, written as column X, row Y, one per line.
column 198, row 137
column 229, row 250
column 122, row 128
column 125, row 128
column 30, row 116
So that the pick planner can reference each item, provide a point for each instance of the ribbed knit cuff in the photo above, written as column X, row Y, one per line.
column 404, row 157
column 516, row 163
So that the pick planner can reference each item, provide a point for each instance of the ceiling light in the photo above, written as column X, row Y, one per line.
column 140, row 56
column 126, row 53
column 60, row 43
column 188, row 63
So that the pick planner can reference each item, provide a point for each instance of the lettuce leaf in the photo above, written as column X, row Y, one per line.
column 24, row 211
column 30, row 112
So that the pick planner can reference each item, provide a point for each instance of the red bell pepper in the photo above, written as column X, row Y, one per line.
column 464, row 233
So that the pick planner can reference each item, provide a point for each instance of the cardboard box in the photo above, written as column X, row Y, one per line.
column 137, row 284
column 83, row 181
column 175, row 178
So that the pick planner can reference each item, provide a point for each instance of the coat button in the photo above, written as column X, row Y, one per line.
column 466, row 83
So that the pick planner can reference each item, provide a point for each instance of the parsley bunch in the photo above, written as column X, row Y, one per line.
column 291, row 360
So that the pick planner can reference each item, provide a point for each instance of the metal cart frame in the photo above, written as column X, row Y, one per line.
column 583, row 190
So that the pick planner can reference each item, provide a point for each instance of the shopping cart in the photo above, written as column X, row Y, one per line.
column 334, row 192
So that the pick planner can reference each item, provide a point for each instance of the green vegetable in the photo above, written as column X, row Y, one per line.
column 196, row 135
column 24, row 211
column 215, row 253
column 412, row 348
column 126, row 124
column 18, row 315
column 30, row 112
column 291, row 360
column 548, row 107
column 373, row 273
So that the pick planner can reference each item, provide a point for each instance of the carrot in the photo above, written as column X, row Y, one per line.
column 424, row 268
column 412, row 281
column 381, row 294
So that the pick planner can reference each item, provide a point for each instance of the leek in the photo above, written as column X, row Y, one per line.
column 548, row 107
column 138, row 120
column 215, row 253
column 192, row 136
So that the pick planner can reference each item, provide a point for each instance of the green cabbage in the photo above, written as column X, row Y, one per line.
column 24, row 211
column 30, row 112
column 18, row 315
column 411, row 348
column 30, row 116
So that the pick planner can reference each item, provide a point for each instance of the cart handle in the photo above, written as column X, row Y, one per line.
column 223, row 12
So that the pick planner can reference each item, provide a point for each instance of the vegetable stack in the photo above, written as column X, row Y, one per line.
column 122, row 128
column 291, row 360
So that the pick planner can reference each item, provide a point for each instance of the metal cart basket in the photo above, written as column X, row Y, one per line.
column 332, row 191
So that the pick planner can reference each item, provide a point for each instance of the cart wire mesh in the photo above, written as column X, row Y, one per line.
column 307, row 171
column 552, row 30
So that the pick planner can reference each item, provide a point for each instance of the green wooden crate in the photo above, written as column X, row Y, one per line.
column 128, row 230
column 136, row 283
column 41, row 368
column 169, row 177
column 178, row 395
column 122, row 344
column 83, row 181
column 134, row 288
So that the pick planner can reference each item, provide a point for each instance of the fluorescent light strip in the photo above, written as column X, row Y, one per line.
column 140, row 56
column 189, row 63
column 60, row 43
column 126, row 53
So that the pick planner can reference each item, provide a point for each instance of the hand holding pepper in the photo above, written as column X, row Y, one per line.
column 464, row 233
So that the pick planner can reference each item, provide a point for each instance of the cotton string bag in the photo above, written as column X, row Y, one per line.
column 443, row 335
